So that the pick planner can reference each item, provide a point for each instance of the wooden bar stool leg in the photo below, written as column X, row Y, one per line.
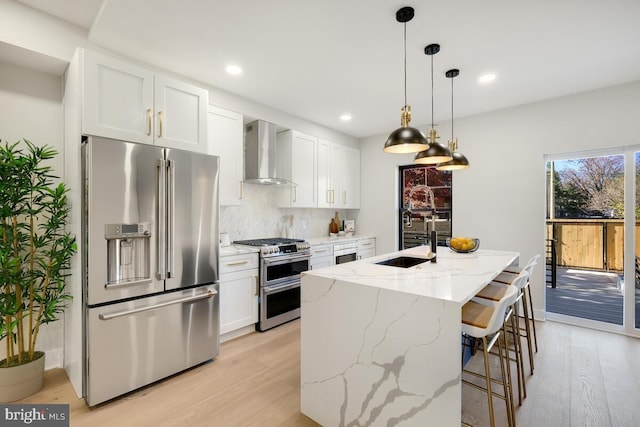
column 517, row 344
column 533, row 320
column 527, row 326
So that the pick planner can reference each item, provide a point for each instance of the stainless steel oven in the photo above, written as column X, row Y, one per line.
column 281, row 263
column 280, row 289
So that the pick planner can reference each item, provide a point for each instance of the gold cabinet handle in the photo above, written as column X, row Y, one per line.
column 257, row 287
column 241, row 190
column 230, row 264
column 295, row 193
column 333, row 196
column 160, row 126
column 328, row 196
column 344, row 199
column 149, row 120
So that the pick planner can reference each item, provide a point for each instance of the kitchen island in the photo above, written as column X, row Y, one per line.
column 380, row 345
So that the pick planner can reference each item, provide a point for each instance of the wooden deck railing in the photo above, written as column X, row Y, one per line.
column 590, row 243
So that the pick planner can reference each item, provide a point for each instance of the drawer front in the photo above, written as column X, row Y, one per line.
column 321, row 250
column 366, row 244
column 232, row 263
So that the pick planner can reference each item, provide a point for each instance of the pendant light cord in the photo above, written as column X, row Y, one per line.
column 405, row 64
column 431, row 91
column 452, row 109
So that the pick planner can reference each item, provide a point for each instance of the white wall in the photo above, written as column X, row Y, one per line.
column 501, row 197
column 31, row 108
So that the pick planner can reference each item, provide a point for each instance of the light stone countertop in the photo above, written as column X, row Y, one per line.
column 321, row 240
column 454, row 277
column 380, row 345
column 237, row 250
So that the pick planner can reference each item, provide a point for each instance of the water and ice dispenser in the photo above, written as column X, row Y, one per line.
column 128, row 253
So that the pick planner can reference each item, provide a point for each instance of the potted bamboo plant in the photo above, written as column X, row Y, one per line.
column 35, row 253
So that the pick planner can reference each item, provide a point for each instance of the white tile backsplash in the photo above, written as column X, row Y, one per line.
column 259, row 217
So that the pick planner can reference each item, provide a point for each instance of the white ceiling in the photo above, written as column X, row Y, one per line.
column 320, row 59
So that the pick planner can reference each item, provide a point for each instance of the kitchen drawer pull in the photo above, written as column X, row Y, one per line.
column 319, row 251
column 231, row 264
column 366, row 244
column 257, row 287
column 117, row 314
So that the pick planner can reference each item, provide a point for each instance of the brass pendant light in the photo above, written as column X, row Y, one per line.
column 459, row 161
column 405, row 139
column 436, row 153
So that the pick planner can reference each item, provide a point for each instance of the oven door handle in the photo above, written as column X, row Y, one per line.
column 281, row 288
column 283, row 260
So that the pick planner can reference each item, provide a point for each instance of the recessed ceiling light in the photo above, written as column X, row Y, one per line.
column 487, row 78
column 233, row 69
column 345, row 117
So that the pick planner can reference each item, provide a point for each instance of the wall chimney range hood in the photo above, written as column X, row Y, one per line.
column 260, row 153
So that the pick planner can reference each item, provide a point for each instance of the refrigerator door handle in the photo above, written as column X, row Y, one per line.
column 161, row 220
column 209, row 294
column 171, row 199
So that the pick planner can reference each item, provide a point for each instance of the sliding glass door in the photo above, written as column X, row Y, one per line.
column 593, row 273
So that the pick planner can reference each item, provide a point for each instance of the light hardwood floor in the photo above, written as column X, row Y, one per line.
column 582, row 378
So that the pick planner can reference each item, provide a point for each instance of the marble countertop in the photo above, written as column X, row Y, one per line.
column 454, row 277
column 337, row 239
column 237, row 250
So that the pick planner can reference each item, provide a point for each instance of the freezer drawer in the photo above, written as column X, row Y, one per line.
column 135, row 343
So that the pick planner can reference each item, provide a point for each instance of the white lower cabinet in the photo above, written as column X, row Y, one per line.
column 366, row 248
column 239, row 289
column 321, row 256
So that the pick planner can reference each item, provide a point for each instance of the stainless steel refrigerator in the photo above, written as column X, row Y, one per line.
column 150, row 264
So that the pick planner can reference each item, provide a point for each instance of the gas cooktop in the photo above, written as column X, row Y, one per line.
column 273, row 241
column 277, row 246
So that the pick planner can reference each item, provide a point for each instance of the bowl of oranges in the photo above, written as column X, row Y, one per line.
column 463, row 245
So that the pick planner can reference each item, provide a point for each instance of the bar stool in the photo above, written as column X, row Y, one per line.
column 508, row 278
column 516, row 270
column 483, row 320
column 495, row 291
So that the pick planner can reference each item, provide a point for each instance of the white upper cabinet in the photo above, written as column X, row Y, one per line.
column 225, row 140
column 297, row 163
column 338, row 176
column 117, row 99
column 350, row 178
column 123, row 101
column 180, row 114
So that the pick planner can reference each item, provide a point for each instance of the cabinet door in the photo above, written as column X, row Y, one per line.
column 225, row 140
column 366, row 253
column 350, row 177
column 324, row 174
column 180, row 115
column 335, row 174
column 117, row 99
column 238, row 300
column 303, row 170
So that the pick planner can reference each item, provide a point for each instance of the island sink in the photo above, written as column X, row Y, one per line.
column 403, row 261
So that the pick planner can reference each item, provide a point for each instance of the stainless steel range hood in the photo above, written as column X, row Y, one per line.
column 260, row 153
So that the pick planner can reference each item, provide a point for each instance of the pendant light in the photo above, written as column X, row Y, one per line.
column 459, row 161
column 436, row 153
column 405, row 139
